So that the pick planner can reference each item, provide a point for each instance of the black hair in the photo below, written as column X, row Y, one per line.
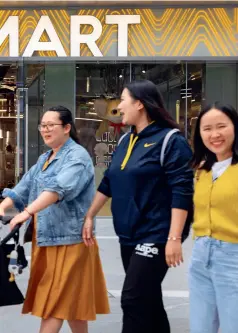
column 203, row 158
column 147, row 93
column 65, row 115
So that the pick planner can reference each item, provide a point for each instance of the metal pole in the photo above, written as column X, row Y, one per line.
column 26, row 128
column 130, row 71
column 17, row 168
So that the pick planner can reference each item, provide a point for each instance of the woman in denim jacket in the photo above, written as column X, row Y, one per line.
column 66, row 280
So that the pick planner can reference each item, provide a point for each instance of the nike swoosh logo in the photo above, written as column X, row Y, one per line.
column 146, row 145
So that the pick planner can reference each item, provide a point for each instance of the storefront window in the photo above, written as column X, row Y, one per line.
column 170, row 79
column 92, row 92
column 98, row 90
column 7, row 125
column 195, row 97
column 221, row 83
column 182, row 88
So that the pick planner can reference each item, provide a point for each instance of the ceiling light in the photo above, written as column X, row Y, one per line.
column 188, row 96
column 88, row 119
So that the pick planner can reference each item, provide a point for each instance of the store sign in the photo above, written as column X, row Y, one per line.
column 119, row 32
column 11, row 29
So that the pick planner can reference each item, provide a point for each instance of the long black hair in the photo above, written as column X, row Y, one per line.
column 147, row 93
column 65, row 115
column 203, row 158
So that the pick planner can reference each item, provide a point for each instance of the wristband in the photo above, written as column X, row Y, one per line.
column 174, row 238
column 28, row 212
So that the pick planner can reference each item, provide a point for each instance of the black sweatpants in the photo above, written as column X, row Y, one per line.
column 141, row 301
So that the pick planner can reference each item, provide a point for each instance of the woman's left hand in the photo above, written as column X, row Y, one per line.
column 173, row 253
column 19, row 218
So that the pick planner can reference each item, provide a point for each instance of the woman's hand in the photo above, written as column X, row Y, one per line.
column 19, row 218
column 173, row 253
column 87, row 231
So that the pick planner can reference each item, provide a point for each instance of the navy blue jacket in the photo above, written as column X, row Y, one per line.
column 142, row 191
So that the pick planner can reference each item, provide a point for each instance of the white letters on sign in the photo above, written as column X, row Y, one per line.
column 77, row 38
column 11, row 29
column 122, row 21
column 34, row 44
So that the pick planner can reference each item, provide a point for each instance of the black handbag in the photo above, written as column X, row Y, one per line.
column 10, row 294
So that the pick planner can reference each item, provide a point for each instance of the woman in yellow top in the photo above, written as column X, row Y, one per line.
column 213, row 275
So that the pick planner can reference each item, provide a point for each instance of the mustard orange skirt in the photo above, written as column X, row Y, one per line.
column 66, row 282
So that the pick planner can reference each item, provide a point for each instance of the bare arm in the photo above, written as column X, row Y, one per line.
column 44, row 200
column 173, row 251
column 178, row 220
column 6, row 204
column 97, row 204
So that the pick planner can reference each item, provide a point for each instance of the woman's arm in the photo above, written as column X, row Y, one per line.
column 179, row 176
column 98, row 202
column 180, row 180
column 87, row 233
column 173, row 251
column 44, row 200
column 20, row 193
column 6, row 204
column 178, row 220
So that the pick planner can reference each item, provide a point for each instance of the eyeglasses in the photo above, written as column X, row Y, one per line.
column 47, row 127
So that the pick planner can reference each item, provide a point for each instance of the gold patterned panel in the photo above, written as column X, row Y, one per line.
column 162, row 32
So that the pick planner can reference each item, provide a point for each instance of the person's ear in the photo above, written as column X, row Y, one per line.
column 67, row 128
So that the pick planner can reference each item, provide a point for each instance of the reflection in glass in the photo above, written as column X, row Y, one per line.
column 8, row 148
column 181, row 86
column 98, row 90
column 194, row 98
column 170, row 80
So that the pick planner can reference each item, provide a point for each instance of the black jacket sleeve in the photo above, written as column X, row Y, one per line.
column 104, row 186
column 179, row 174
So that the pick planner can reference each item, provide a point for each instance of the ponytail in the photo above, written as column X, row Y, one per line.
column 73, row 133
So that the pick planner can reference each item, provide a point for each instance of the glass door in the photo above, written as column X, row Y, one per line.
column 21, row 105
column 10, row 145
column 21, row 165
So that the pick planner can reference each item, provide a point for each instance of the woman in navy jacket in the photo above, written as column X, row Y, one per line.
column 150, row 203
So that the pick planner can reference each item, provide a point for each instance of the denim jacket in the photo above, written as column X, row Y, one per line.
column 71, row 175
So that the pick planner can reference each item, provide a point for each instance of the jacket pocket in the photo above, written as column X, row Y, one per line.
column 126, row 216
